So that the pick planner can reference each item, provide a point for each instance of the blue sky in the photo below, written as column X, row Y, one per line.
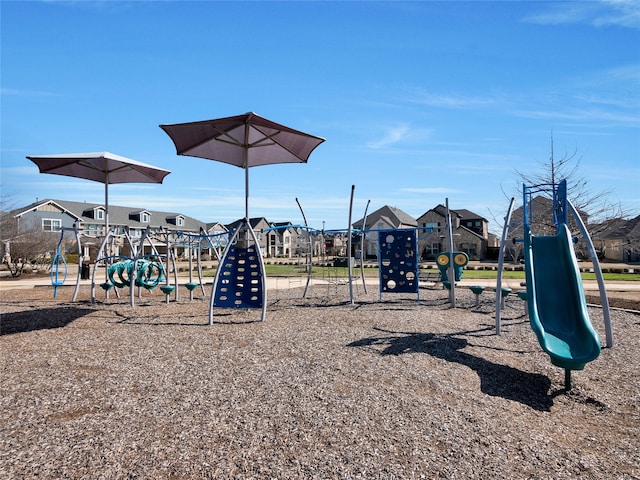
column 418, row 101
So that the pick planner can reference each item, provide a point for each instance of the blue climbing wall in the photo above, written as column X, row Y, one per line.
column 239, row 282
column 398, row 260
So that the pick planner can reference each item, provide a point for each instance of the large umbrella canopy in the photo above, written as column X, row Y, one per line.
column 103, row 167
column 245, row 141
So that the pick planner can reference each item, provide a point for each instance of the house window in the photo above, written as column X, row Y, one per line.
column 432, row 249
column 51, row 224
column 180, row 221
column 99, row 214
column 144, row 217
column 469, row 249
column 91, row 230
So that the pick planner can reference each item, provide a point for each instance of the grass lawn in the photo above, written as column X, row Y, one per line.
column 294, row 270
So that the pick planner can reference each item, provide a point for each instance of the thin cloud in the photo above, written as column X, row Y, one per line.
column 583, row 116
column 603, row 13
column 398, row 134
column 26, row 170
column 392, row 136
column 14, row 92
column 430, row 190
column 424, row 97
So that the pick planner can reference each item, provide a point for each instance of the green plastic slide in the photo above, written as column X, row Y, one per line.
column 557, row 305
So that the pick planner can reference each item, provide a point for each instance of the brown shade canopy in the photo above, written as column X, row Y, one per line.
column 245, row 141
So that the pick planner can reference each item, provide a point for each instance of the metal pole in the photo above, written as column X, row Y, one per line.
column 246, row 190
column 452, row 277
column 76, row 231
column 353, row 187
column 505, row 232
column 362, row 237
column 106, row 227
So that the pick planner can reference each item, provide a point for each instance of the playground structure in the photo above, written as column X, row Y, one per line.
column 240, row 278
column 141, row 270
column 556, row 302
column 58, row 262
column 443, row 261
column 397, row 259
column 194, row 244
column 145, row 268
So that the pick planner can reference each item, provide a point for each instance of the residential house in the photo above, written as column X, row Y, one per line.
column 470, row 233
column 259, row 225
column 616, row 240
column 334, row 244
column 541, row 221
column 384, row 218
column 281, row 240
column 127, row 223
column 218, row 236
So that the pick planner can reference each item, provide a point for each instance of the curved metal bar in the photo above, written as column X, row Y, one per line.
column 76, row 231
column 452, row 275
column 505, row 232
column 223, row 259
column 309, row 252
column 353, row 188
column 604, row 300
column 362, row 236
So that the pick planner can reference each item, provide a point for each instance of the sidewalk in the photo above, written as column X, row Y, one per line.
column 273, row 283
column 284, row 283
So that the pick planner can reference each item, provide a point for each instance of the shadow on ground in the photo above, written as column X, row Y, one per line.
column 40, row 319
column 531, row 389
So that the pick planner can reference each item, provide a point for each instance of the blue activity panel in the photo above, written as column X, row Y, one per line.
column 398, row 261
column 239, row 281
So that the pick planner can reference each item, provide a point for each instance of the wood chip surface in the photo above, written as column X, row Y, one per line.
column 323, row 389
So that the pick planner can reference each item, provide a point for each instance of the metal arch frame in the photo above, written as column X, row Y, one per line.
column 505, row 233
column 604, row 300
column 223, row 260
column 76, row 232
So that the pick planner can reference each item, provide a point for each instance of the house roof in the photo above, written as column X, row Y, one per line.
column 465, row 214
column 34, row 206
column 441, row 210
column 542, row 212
column 391, row 215
column 118, row 215
column 461, row 213
column 618, row 228
column 252, row 221
column 216, row 225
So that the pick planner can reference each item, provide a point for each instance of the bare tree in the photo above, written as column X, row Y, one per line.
column 22, row 245
column 595, row 207
column 598, row 205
